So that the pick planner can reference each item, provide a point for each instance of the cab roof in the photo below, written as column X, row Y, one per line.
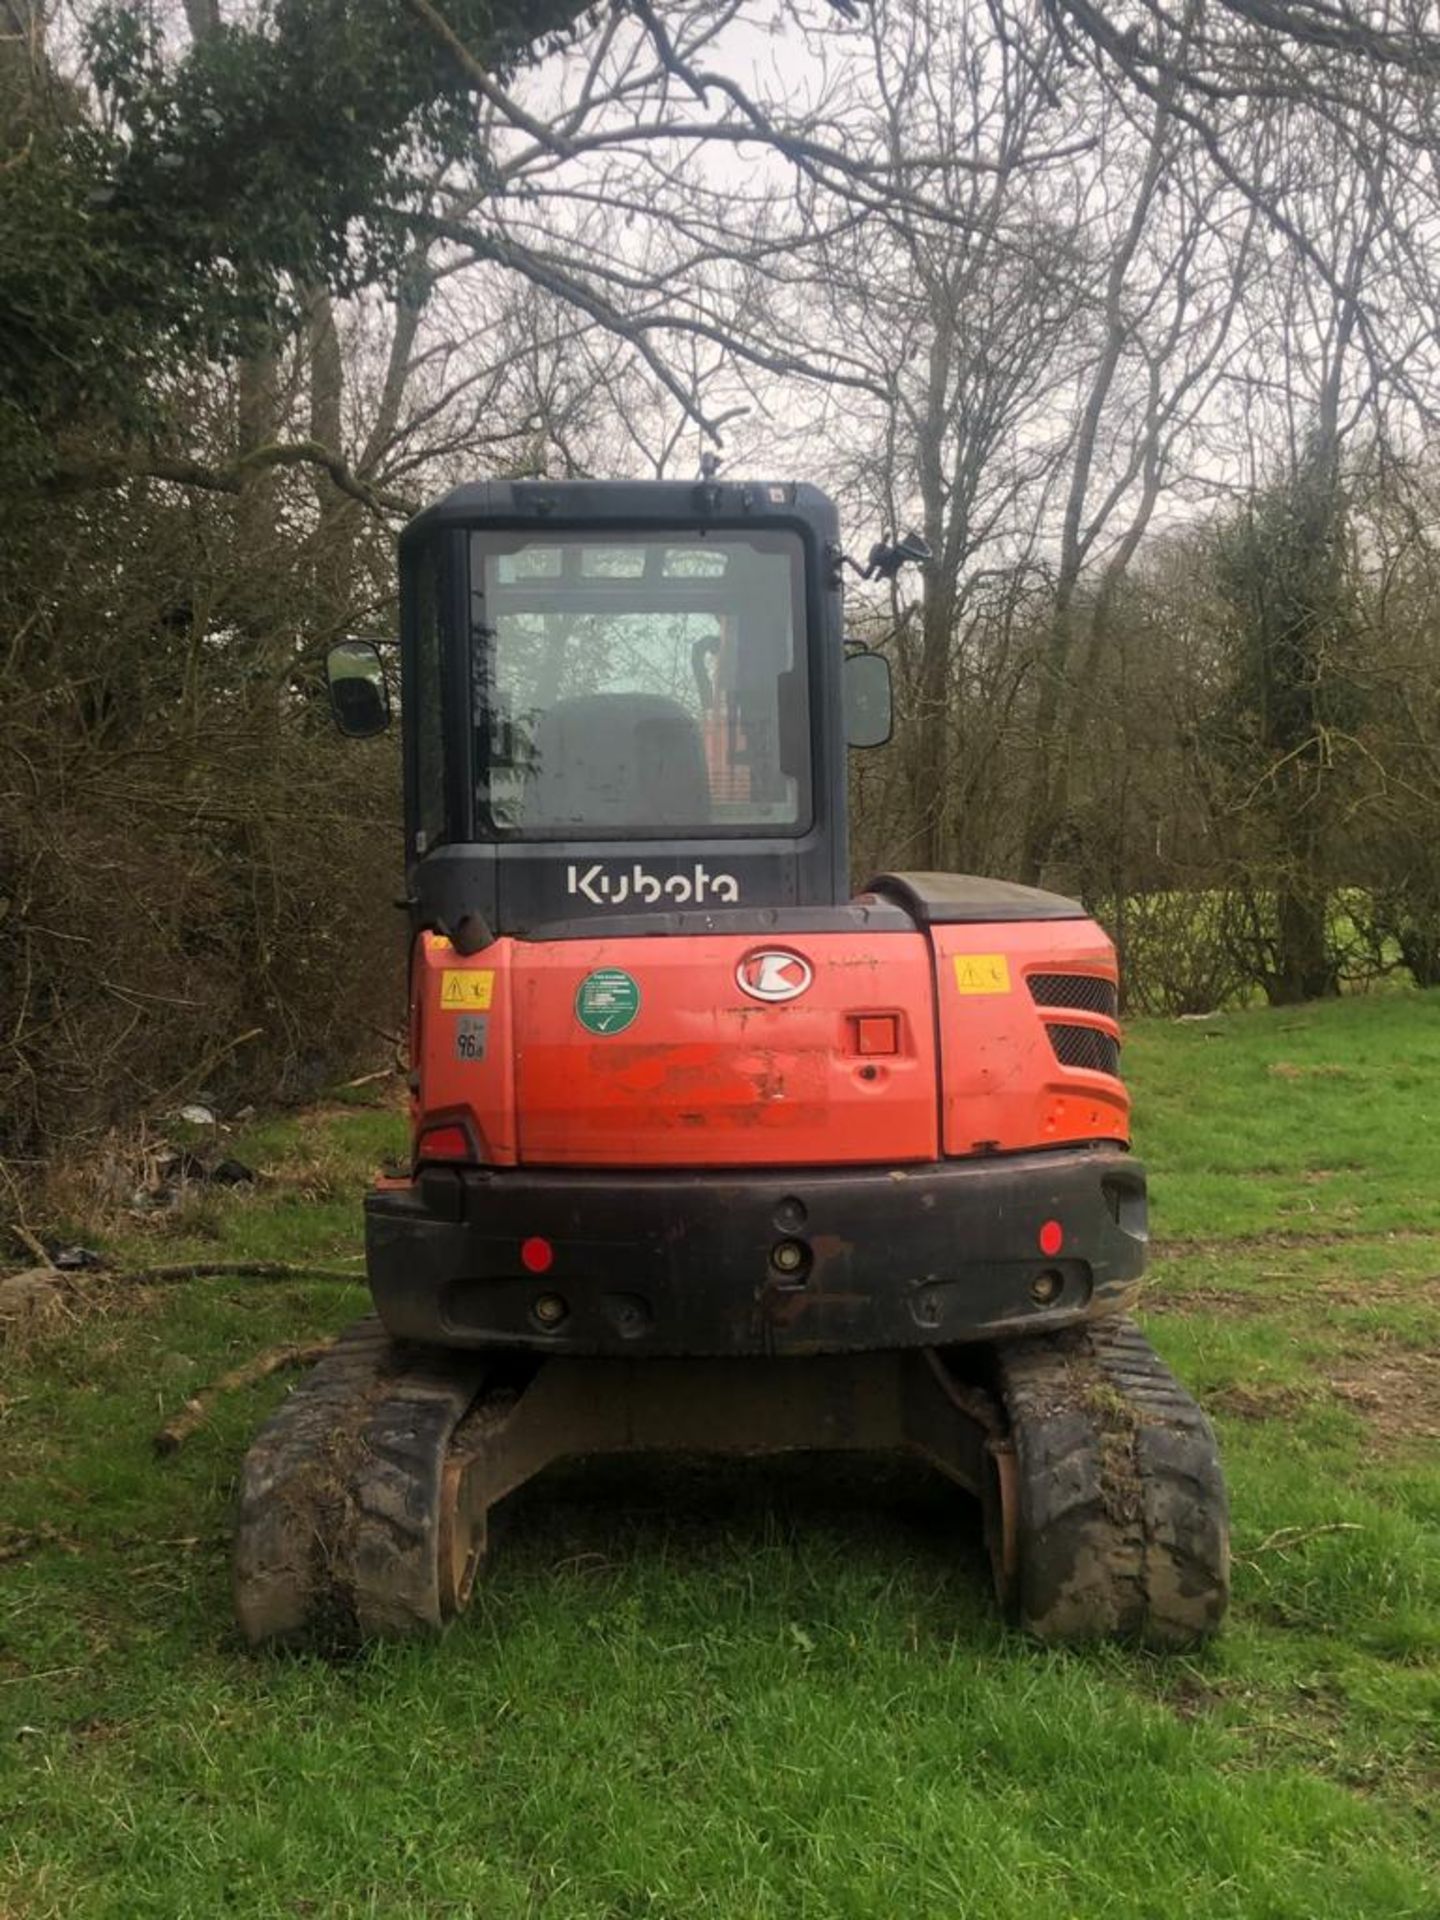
column 629, row 503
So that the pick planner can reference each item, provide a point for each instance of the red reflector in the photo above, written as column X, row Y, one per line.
column 444, row 1143
column 536, row 1254
column 877, row 1033
column 1052, row 1238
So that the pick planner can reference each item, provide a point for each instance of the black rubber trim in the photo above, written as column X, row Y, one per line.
column 679, row 504
column 680, row 1262
column 957, row 899
column 855, row 917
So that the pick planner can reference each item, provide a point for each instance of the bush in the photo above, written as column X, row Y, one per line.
column 195, row 870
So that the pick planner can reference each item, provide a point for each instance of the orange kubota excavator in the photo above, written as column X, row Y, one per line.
column 708, row 1152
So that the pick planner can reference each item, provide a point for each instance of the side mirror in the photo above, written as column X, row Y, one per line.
column 914, row 547
column 887, row 557
column 868, row 718
column 359, row 691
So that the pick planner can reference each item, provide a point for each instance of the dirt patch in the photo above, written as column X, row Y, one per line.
column 1190, row 1697
column 1246, row 1302
column 36, row 1298
column 388, row 1101
column 1285, row 1237
column 1256, row 1403
column 1221, row 1302
column 1287, row 1070
column 38, row 1310
column 18, row 1547
column 1398, row 1394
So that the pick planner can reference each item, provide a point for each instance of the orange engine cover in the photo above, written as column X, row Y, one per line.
column 716, row 1050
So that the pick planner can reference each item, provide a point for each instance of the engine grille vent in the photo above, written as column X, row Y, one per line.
column 1085, row 1047
column 1085, row 990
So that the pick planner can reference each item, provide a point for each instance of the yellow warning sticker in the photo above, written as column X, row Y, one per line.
column 982, row 973
column 466, row 990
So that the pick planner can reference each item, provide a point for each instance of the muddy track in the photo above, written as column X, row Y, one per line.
column 1123, row 1521
column 1120, row 1509
column 340, row 1496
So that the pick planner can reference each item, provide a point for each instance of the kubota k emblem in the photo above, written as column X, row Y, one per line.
column 773, row 974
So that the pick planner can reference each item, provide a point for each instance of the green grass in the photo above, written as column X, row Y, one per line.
column 1317, row 1119
column 720, row 1693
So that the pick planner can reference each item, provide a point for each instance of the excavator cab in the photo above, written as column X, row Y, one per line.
column 602, row 680
column 710, row 1151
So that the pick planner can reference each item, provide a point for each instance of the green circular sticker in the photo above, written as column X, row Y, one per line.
column 607, row 1001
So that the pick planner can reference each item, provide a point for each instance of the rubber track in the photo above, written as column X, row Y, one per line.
column 1123, row 1523
column 338, row 1533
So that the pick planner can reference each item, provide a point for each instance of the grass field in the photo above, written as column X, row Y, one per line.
column 773, row 1694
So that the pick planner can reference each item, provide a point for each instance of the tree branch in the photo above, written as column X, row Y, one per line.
column 116, row 470
column 438, row 25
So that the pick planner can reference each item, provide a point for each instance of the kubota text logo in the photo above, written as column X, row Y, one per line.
column 602, row 888
column 773, row 974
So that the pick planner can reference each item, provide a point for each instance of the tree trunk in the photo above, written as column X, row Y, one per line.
column 1305, row 966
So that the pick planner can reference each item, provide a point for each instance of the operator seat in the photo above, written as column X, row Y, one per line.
column 611, row 760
